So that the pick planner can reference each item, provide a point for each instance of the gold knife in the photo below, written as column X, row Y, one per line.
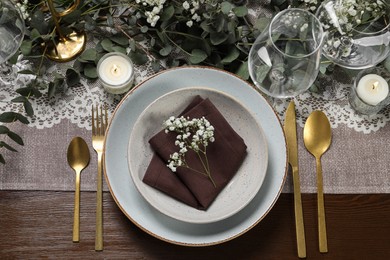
column 290, row 130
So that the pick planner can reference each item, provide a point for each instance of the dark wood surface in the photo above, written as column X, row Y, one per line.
column 38, row 224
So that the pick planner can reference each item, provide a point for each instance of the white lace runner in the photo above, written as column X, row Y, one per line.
column 75, row 103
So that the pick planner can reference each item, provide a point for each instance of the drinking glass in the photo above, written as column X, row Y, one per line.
column 12, row 31
column 285, row 58
column 357, row 33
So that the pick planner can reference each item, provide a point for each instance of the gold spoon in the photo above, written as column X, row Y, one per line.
column 78, row 159
column 317, row 137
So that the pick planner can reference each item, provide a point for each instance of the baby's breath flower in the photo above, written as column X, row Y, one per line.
column 194, row 134
column 186, row 5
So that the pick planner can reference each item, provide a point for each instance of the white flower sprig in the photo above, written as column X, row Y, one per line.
column 194, row 134
column 157, row 6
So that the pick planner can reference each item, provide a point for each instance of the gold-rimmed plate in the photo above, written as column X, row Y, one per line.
column 147, row 217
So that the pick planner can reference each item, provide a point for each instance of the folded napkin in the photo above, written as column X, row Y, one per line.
column 225, row 156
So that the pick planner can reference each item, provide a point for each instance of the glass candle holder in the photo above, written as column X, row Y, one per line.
column 116, row 72
column 370, row 91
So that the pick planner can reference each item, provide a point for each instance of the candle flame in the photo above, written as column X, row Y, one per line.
column 375, row 85
column 115, row 69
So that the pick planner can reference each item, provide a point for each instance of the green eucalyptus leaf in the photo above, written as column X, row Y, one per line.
column 120, row 39
column 233, row 54
column 261, row 23
column 119, row 49
column 218, row 38
column 51, row 90
column 144, row 29
column 166, row 50
column 2, row 159
column 72, row 77
column 26, row 47
column 219, row 23
column 24, row 91
column 7, row 146
column 226, row 7
column 240, row 11
column 4, row 130
column 132, row 45
column 197, row 56
column 20, row 99
column 110, row 20
column 34, row 34
column 38, row 22
column 15, row 137
column 243, row 71
column 107, row 45
column 167, row 13
column 138, row 58
column 30, row 72
column 205, row 25
column 72, row 17
column 14, row 58
column 8, row 117
column 155, row 65
column 90, row 71
column 36, row 92
column 88, row 55
column 314, row 89
column 90, row 23
column 324, row 66
column 28, row 108
column 56, row 86
column 132, row 21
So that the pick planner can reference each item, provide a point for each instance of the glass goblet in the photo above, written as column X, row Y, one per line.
column 357, row 33
column 12, row 31
column 285, row 58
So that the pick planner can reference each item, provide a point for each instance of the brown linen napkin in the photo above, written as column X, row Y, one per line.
column 225, row 156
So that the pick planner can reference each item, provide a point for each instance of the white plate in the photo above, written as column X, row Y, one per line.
column 139, row 211
column 240, row 190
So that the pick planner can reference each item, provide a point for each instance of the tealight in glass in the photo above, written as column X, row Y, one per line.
column 116, row 72
column 370, row 91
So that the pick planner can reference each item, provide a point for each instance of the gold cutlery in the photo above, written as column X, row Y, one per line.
column 78, row 159
column 99, row 125
column 317, row 136
column 290, row 130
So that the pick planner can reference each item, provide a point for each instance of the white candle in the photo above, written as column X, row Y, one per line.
column 116, row 72
column 372, row 89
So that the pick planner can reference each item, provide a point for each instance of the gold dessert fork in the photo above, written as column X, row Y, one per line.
column 99, row 125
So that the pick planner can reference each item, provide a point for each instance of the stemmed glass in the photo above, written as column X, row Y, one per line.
column 284, row 60
column 12, row 31
column 357, row 33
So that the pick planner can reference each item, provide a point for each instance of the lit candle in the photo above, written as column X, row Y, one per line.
column 372, row 89
column 116, row 72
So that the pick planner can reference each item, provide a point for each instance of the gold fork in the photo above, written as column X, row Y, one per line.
column 99, row 125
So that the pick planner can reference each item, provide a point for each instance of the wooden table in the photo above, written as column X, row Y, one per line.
column 38, row 224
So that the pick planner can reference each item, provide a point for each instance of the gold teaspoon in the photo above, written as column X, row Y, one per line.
column 78, row 159
column 317, row 137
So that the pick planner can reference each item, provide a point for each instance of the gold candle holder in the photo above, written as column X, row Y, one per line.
column 64, row 47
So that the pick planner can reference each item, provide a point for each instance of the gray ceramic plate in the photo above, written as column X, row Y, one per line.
column 146, row 217
column 239, row 191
